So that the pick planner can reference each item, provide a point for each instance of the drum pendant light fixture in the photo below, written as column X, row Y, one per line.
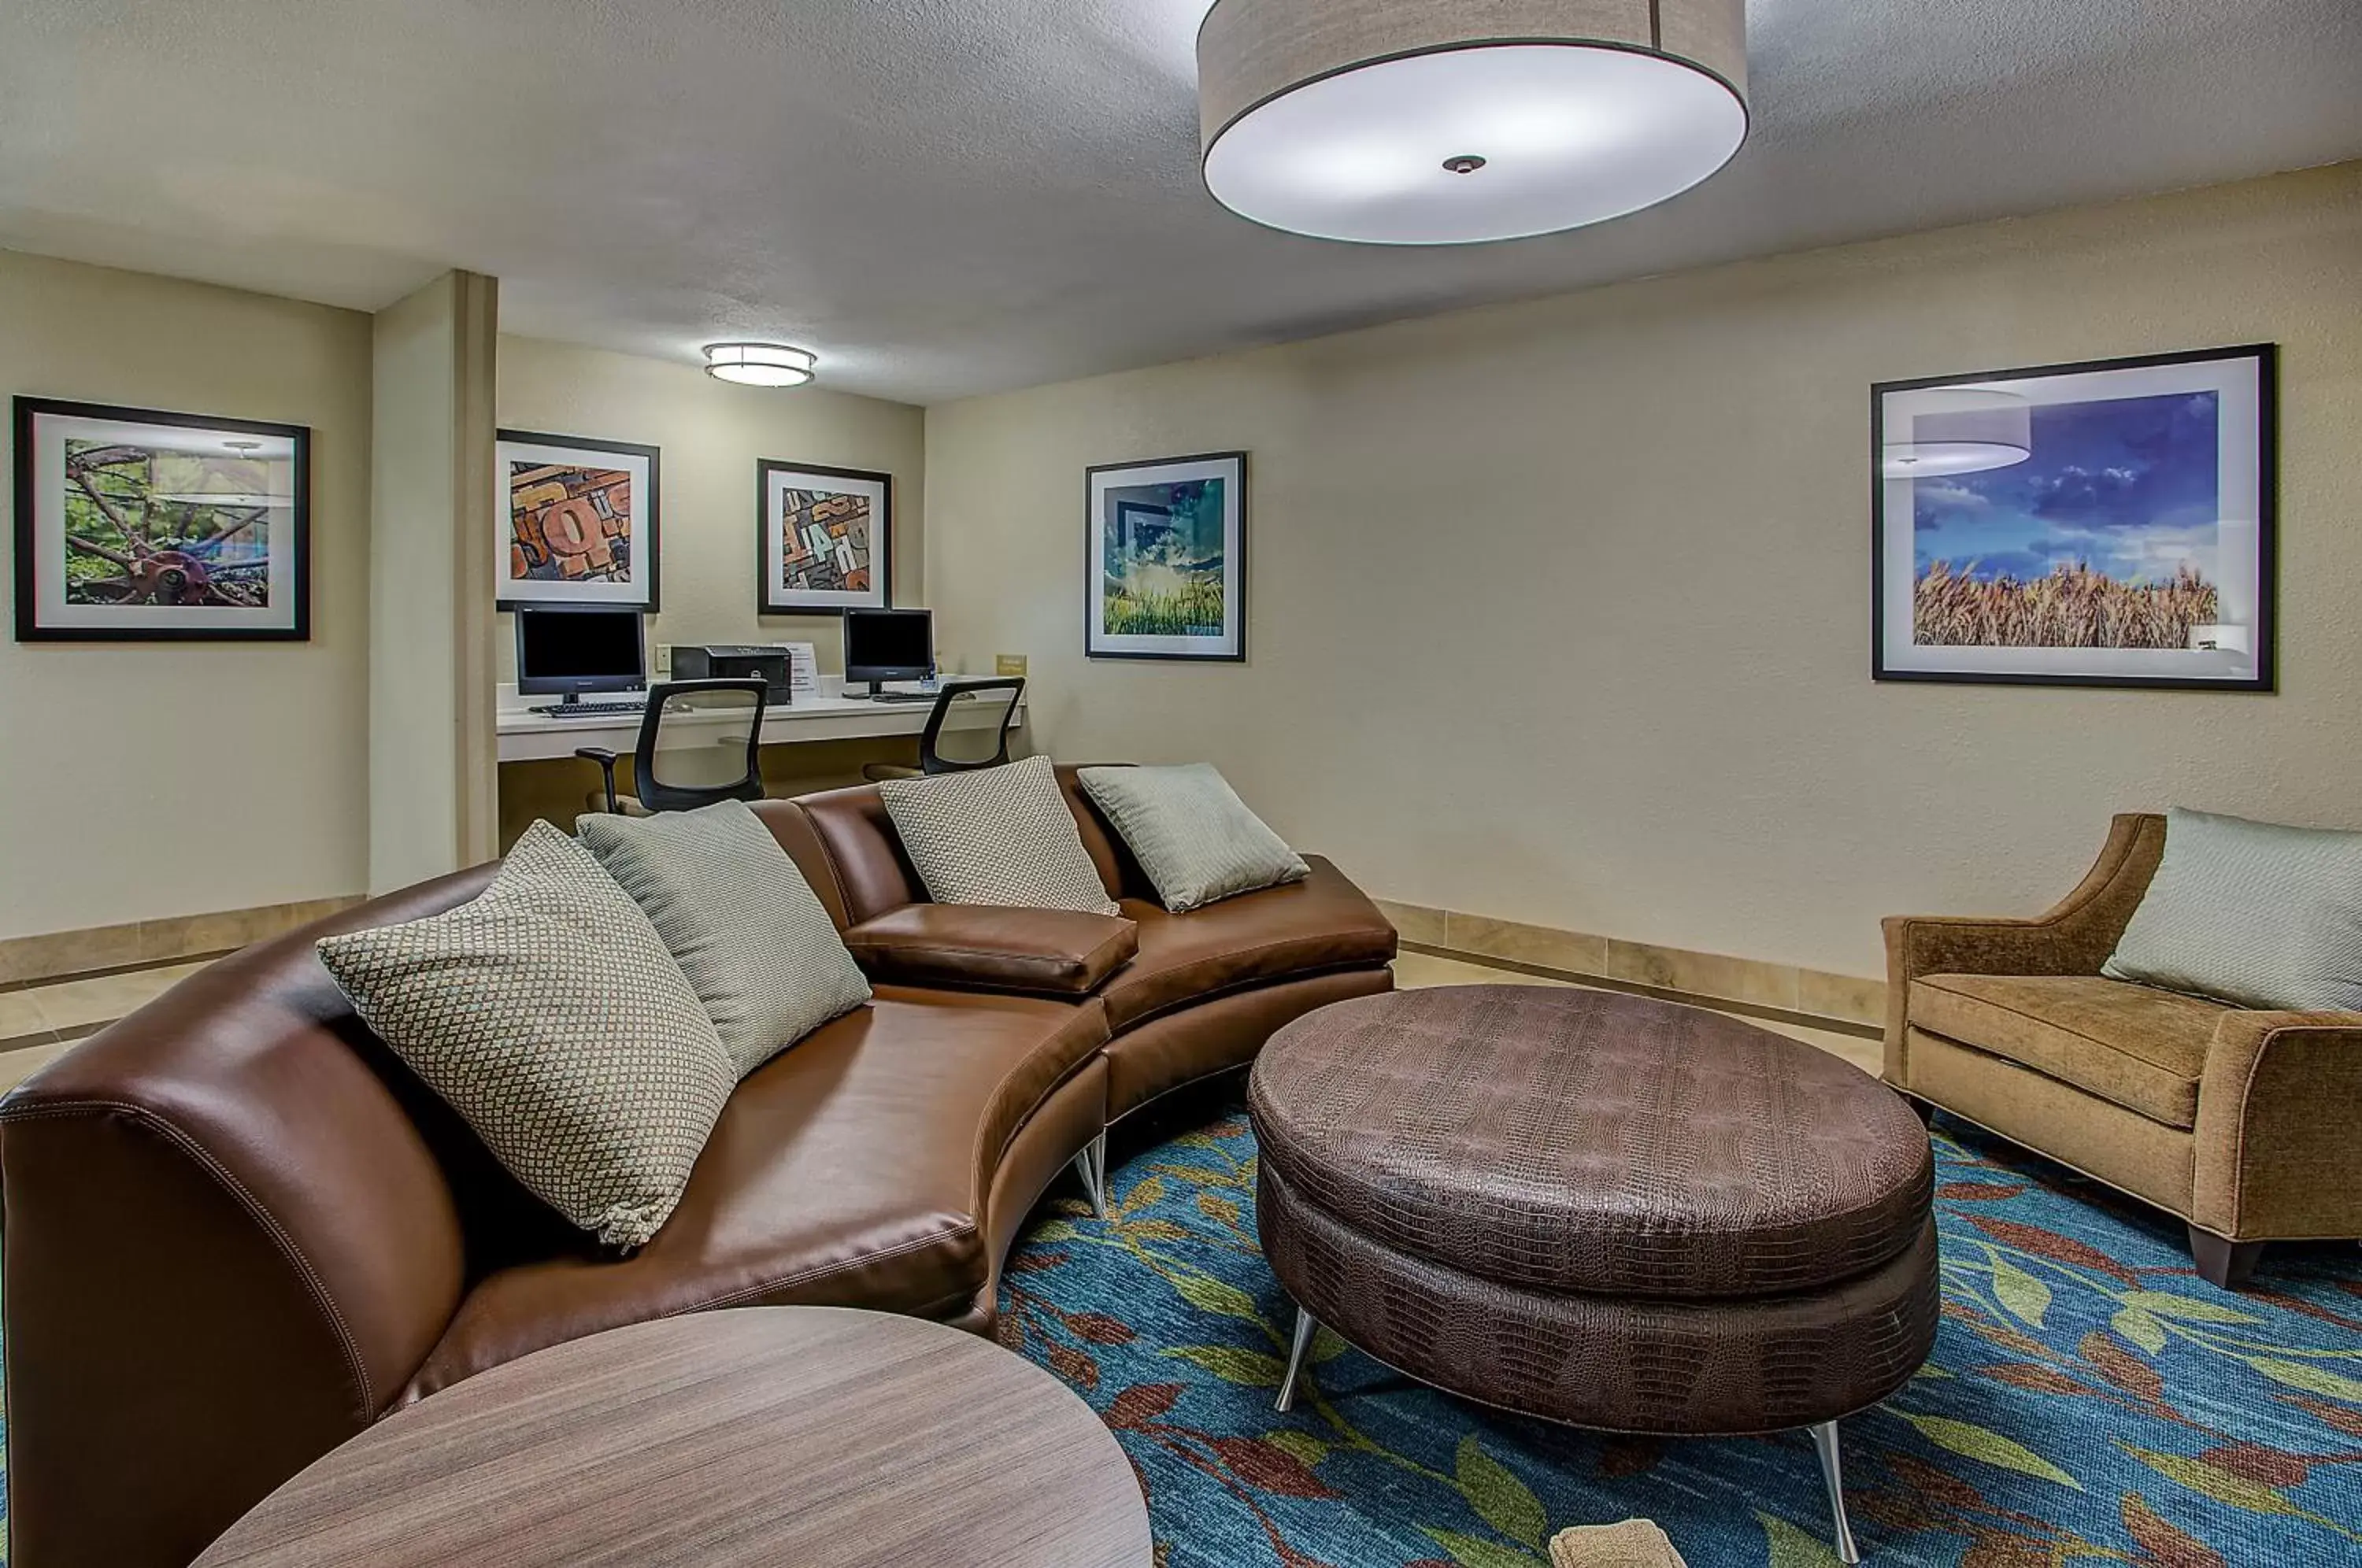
column 1456, row 122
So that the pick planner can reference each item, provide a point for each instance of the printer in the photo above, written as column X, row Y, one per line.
column 771, row 663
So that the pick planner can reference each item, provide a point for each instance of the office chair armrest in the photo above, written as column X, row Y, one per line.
column 606, row 761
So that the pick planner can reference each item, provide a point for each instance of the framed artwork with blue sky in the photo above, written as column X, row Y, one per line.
column 2108, row 523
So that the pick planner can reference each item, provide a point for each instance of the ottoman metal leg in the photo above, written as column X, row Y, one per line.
column 1825, row 1443
column 1306, row 1325
column 1092, row 1166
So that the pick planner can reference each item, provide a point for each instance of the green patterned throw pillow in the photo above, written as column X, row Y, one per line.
column 1191, row 834
column 2251, row 914
column 547, row 1013
column 745, row 926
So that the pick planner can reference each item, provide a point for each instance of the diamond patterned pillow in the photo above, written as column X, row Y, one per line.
column 1191, row 833
column 745, row 927
column 997, row 835
column 547, row 1013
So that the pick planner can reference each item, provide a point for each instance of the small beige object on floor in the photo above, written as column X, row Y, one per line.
column 1635, row 1543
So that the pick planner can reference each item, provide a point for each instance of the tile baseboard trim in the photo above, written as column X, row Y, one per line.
column 58, row 956
column 1787, row 993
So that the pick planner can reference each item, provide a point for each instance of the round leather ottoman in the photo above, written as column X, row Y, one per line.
column 1598, row 1209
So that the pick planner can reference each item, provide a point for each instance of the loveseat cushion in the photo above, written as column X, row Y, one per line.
column 1321, row 923
column 979, row 947
column 2142, row 1048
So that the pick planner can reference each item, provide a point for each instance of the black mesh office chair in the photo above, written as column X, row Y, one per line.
column 957, row 750
column 700, row 742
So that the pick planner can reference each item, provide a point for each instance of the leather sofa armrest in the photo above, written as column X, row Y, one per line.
column 1061, row 953
column 2073, row 937
column 2278, row 1104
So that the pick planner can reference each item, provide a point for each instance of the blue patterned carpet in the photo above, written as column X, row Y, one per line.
column 2090, row 1400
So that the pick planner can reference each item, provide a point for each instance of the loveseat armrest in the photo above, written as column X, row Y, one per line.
column 2074, row 936
column 1058, row 953
column 2278, row 1104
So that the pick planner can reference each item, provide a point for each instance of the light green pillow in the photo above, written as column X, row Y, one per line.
column 547, row 1013
column 2251, row 914
column 745, row 927
column 1191, row 834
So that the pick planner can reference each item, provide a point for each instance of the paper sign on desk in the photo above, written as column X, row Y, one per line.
column 803, row 668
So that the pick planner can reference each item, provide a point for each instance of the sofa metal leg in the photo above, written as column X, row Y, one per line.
column 1306, row 1325
column 1092, row 1166
column 2224, row 1264
column 1825, row 1443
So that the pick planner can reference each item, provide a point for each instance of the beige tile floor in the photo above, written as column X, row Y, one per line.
column 47, row 1019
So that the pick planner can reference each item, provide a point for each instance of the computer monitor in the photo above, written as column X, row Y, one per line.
column 574, row 648
column 888, row 645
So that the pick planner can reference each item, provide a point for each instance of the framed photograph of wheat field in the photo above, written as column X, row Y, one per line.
column 1165, row 570
column 2105, row 523
column 139, row 525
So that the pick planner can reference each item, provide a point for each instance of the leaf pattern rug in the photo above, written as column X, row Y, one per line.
column 2090, row 1400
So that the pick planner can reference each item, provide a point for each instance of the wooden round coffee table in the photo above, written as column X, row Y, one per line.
column 758, row 1438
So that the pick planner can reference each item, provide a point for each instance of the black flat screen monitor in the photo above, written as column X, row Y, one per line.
column 573, row 649
column 888, row 645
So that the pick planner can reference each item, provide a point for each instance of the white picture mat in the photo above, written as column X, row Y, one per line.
column 1231, row 471
column 50, row 434
column 2239, row 465
column 777, row 482
column 634, row 589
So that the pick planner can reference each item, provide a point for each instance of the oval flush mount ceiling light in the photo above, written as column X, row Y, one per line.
column 1455, row 122
column 1960, row 430
column 760, row 364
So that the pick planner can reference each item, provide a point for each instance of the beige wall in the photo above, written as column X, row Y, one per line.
column 432, row 796
column 1560, row 610
column 712, row 433
column 148, row 780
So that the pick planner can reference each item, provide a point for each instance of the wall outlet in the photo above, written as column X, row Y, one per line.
column 1009, row 664
column 664, row 659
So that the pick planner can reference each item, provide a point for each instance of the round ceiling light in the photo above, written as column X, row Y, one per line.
column 1399, row 122
column 1960, row 430
column 760, row 364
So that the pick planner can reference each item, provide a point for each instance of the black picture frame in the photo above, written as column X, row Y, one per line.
column 771, row 601
column 27, row 415
column 647, row 525
column 2266, row 435
column 1094, row 637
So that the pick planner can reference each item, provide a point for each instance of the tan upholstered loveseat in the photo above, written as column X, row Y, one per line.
column 2248, row 1125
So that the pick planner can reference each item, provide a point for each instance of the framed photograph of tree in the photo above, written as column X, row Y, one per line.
column 578, row 521
column 2105, row 523
column 1165, row 567
column 136, row 524
column 827, row 538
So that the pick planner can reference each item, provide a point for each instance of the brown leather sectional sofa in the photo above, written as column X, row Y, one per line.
column 238, row 1231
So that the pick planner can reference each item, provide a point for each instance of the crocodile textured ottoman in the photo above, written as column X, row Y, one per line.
column 1598, row 1209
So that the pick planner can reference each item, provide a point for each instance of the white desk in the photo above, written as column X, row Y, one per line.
column 527, row 737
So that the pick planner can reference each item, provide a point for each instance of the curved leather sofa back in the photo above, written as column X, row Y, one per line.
column 264, row 1190
column 846, row 847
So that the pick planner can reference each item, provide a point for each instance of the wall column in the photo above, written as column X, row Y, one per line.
column 433, row 755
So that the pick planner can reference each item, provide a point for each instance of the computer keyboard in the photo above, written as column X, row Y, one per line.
column 904, row 697
column 590, row 710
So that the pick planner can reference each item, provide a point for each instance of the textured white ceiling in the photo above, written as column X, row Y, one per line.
column 951, row 196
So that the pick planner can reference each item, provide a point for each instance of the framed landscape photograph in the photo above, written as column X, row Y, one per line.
column 2108, row 523
column 581, row 521
column 1166, row 562
column 134, row 524
column 827, row 538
